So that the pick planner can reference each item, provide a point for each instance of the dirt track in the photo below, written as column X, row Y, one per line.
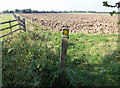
column 78, row 23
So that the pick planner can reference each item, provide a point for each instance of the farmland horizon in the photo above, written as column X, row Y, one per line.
column 28, row 10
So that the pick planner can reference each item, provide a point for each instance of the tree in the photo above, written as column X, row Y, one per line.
column 11, row 12
column 6, row 11
column 105, row 3
column 18, row 11
column 26, row 10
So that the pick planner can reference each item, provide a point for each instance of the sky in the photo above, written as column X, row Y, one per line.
column 57, row 5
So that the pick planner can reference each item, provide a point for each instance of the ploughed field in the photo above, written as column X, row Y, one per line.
column 78, row 23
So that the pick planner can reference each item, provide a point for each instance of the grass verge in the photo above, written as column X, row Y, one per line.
column 32, row 59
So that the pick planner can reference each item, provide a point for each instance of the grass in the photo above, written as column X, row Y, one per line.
column 94, row 44
column 32, row 59
column 5, row 18
column 90, row 54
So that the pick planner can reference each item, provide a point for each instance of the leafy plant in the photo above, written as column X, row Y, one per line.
column 105, row 3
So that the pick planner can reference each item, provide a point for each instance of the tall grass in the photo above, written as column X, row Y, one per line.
column 32, row 59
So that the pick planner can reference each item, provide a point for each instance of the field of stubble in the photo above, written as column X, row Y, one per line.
column 78, row 23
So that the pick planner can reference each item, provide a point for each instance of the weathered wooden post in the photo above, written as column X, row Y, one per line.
column 24, row 24
column 10, row 28
column 65, row 37
column 1, row 63
column 18, row 18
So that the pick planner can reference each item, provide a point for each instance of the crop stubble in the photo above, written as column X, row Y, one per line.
column 78, row 23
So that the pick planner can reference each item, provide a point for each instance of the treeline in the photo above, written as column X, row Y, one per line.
column 36, row 11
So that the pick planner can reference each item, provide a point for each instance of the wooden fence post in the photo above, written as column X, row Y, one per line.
column 19, row 23
column 65, row 37
column 24, row 24
column 10, row 28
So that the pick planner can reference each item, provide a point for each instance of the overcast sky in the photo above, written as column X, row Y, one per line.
column 57, row 5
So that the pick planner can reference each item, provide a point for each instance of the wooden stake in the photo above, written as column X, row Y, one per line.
column 19, row 24
column 65, row 38
column 10, row 29
column 24, row 24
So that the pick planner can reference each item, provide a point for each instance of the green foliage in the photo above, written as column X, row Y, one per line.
column 32, row 59
column 6, row 11
column 105, row 3
column 35, row 29
column 26, row 11
column 27, row 62
column 111, row 13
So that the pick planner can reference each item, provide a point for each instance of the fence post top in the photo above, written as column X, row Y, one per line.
column 9, row 21
column 65, row 31
column 65, row 27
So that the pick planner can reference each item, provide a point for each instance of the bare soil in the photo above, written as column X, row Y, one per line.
column 78, row 23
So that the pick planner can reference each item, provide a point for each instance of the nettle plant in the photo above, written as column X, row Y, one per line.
column 105, row 3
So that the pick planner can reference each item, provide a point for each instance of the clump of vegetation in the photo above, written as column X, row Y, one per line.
column 25, row 62
column 32, row 59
